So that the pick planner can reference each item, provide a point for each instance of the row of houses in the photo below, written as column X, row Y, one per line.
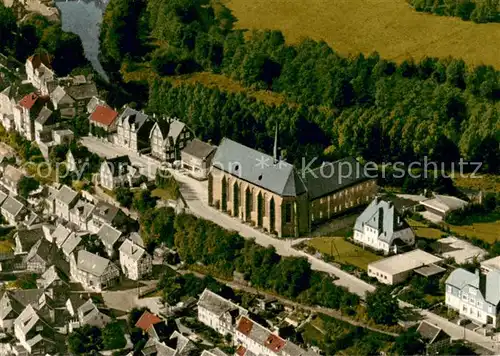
column 247, row 335
column 138, row 132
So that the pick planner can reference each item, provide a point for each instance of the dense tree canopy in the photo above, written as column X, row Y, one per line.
column 382, row 307
column 333, row 106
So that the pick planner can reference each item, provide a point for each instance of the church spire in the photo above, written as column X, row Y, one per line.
column 275, row 151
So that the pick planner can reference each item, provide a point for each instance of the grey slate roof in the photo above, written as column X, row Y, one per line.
column 118, row 165
column 133, row 117
column 493, row 287
column 60, row 235
column 48, row 277
column 136, row 238
column 106, row 211
column 91, row 263
column 70, row 244
column 83, row 208
column 58, row 94
column 333, row 176
column 217, row 304
column 43, row 249
column 45, row 116
column 199, row 149
column 258, row 168
column 66, row 195
column 460, row 278
column 82, row 92
column 12, row 205
column 428, row 332
column 29, row 237
column 132, row 250
column 175, row 129
column 108, row 234
column 382, row 216
column 13, row 174
column 9, row 304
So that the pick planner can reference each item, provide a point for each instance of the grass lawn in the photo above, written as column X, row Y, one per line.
column 344, row 251
column 489, row 232
column 224, row 83
column 6, row 246
column 164, row 194
column 486, row 182
column 392, row 28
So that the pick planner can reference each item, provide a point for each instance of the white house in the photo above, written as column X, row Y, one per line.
column 219, row 313
column 89, row 314
column 93, row 272
column 64, row 201
column 39, row 72
column 475, row 296
column 110, row 238
column 33, row 333
column 135, row 261
column 382, row 228
column 133, row 128
column 167, row 138
column 114, row 172
column 81, row 214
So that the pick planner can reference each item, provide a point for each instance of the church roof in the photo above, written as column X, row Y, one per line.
column 258, row 168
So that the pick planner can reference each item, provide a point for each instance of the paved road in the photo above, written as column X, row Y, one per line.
column 195, row 194
column 108, row 150
column 456, row 331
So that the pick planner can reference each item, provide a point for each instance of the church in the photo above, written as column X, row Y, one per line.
column 273, row 195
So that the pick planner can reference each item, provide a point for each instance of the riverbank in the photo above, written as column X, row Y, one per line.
column 23, row 8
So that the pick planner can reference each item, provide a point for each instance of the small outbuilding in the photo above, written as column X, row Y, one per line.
column 197, row 157
column 396, row 269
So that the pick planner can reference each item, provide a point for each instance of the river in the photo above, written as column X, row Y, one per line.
column 84, row 19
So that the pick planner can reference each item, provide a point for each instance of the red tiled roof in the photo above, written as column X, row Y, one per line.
column 147, row 320
column 241, row 350
column 104, row 115
column 38, row 59
column 274, row 343
column 245, row 326
column 28, row 101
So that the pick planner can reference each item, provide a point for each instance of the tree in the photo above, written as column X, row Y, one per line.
column 382, row 307
column 124, row 196
column 86, row 340
column 27, row 185
column 8, row 27
column 408, row 343
column 144, row 201
column 113, row 336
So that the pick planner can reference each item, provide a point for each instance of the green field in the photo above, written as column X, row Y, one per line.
column 344, row 251
column 421, row 230
column 489, row 232
column 391, row 28
column 6, row 247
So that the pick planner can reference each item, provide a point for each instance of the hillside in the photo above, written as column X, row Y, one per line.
column 391, row 28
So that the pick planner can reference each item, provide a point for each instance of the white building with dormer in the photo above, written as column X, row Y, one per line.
column 382, row 228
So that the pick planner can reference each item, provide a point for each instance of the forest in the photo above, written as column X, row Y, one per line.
column 482, row 11
column 221, row 252
column 363, row 106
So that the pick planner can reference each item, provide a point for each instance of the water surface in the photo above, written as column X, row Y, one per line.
column 84, row 18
